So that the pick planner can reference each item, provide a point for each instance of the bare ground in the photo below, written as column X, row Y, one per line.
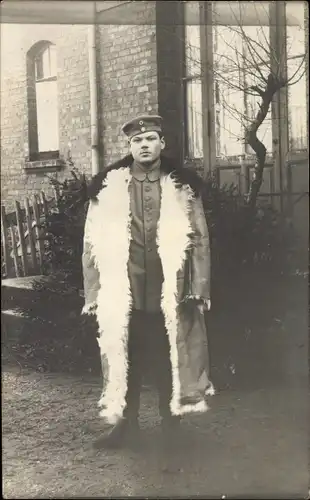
column 253, row 442
column 249, row 443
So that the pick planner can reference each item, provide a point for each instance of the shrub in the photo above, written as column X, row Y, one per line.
column 243, row 245
column 246, row 241
column 242, row 241
column 53, row 336
column 64, row 228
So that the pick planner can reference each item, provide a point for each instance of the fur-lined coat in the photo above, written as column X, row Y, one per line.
column 183, row 246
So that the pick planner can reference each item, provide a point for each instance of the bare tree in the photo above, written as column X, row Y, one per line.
column 255, row 66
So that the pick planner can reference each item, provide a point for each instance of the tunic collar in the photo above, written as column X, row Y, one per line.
column 141, row 173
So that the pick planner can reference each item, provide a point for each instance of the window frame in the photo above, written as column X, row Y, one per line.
column 39, row 55
column 280, row 130
column 186, row 79
column 34, row 155
column 300, row 56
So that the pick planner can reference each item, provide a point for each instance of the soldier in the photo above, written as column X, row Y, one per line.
column 146, row 265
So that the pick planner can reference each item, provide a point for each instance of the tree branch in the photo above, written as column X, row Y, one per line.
column 261, row 68
column 249, row 44
column 289, row 80
column 247, row 62
column 258, row 43
column 258, row 90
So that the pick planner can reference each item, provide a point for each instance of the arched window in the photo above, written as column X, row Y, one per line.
column 42, row 102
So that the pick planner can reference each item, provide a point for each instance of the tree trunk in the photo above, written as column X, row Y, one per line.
column 257, row 178
column 273, row 84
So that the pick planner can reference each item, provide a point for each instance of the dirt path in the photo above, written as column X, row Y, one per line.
column 249, row 443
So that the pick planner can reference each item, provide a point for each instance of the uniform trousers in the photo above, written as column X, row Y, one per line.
column 148, row 353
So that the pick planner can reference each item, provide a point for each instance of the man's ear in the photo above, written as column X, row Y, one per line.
column 162, row 143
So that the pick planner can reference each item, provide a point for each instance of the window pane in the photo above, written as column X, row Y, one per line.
column 256, row 49
column 47, row 116
column 192, row 50
column 193, row 86
column 228, row 120
column 39, row 67
column 241, row 60
column 46, row 63
column 194, row 119
column 297, row 99
column 297, row 111
column 229, row 99
column 53, row 60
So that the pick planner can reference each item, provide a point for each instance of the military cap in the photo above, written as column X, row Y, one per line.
column 143, row 123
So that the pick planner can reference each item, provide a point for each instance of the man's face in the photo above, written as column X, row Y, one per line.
column 146, row 148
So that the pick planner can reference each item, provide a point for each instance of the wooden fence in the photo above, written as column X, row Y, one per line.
column 22, row 242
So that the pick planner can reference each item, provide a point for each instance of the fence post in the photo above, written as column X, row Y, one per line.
column 44, row 205
column 21, row 235
column 39, row 241
column 15, row 254
column 31, row 235
column 5, row 244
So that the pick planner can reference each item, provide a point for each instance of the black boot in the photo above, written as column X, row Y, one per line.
column 125, row 432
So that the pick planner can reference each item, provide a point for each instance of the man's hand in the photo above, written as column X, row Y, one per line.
column 202, row 303
column 205, row 306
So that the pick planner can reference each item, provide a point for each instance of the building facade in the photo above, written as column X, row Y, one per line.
column 67, row 87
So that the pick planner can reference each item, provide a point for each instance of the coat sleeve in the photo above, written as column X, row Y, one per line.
column 90, row 272
column 200, row 255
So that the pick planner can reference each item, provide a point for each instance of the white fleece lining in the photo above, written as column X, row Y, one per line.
column 111, row 248
column 173, row 239
column 89, row 308
column 109, row 230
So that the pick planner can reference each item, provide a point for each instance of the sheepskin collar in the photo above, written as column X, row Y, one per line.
column 183, row 176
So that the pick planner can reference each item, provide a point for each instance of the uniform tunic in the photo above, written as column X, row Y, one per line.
column 143, row 197
column 144, row 265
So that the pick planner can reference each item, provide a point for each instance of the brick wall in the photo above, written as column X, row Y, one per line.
column 127, row 74
column 73, row 103
column 127, row 85
column 139, row 68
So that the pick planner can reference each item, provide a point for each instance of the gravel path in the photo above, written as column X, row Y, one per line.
column 252, row 442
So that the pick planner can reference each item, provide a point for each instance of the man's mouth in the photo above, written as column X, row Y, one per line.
column 145, row 153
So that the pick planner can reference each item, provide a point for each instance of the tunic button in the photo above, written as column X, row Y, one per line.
column 149, row 249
